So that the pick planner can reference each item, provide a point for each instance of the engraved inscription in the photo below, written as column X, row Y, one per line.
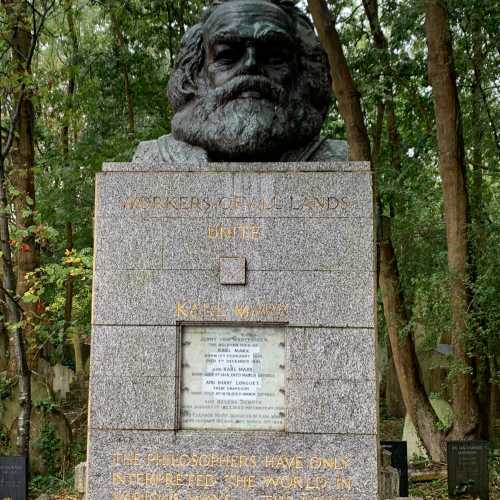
column 243, row 232
column 233, row 378
column 209, row 475
column 206, row 204
column 187, row 310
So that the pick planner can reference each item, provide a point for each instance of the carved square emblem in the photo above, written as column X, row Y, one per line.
column 233, row 271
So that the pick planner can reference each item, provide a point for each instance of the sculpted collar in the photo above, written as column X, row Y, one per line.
column 172, row 150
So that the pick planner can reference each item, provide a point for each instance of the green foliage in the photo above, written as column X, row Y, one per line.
column 48, row 484
column 6, row 384
column 46, row 405
column 48, row 293
column 4, row 441
column 48, row 444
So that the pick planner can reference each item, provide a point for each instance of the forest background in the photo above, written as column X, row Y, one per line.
column 416, row 87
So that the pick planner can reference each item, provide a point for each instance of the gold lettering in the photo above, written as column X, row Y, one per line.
column 118, row 478
column 243, row 312
column 277, row 203
column 243, row 232
column 321, row 202
column 246, row 482
column 236, row 203
column 212, row 232
column 332, row 463
column 126, row 458
column 343, row 483
column 333, row 203
column 180, row 310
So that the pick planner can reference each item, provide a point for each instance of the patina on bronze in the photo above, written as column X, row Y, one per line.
column 252, row 84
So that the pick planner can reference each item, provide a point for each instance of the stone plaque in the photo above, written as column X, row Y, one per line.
column 232, row 378
column 399, row 460
column 468, row 469
column 13, row 482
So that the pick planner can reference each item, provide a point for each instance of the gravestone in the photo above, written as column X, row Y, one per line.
column 399, row 460
column 233, row 345
column 13, row 478
column 468, row 469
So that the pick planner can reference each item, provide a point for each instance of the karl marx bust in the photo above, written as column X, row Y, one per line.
column 251, row 84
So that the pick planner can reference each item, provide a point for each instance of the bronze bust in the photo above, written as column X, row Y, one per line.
column 251, row 84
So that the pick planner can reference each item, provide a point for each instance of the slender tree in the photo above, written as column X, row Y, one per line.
column 405, row 359
column 24, row 37
column 456, row 209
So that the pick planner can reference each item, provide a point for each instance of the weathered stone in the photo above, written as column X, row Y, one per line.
column 207, row 195
column 197, row 244
column 309, row 298
column 232, row 271
column 312, row 166
column 345, row 354
column 309, row 270
column 80, row 477
column 331, row 407
column 62, row 379
column 123, row 243
column 134, row 351
column 389, row 482
column 359, row 450
column 132, row 403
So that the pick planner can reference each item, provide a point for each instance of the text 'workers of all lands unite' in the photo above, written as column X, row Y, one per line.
column 291, row 479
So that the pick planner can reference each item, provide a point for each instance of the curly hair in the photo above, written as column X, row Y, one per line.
column 313, row 63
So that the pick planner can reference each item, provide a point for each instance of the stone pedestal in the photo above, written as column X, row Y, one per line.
column 282, row 255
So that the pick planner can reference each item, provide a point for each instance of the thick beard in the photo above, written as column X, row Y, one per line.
column 232, row 128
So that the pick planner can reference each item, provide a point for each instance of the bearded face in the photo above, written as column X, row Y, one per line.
column 251, row 102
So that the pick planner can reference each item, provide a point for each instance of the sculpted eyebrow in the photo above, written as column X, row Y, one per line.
column 227, row 37
column 276, row 37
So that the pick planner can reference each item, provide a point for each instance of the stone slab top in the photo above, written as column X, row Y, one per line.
column 327, row 166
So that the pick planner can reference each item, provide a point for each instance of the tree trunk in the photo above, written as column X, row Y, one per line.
column 14, row 315
column 22, row 156
column 4, row 337
column 123, row 56
column 68, row 303
column 347, row 95
column 21, row 148
column 404, row 355
column 393, row 397
column 415, row 398
column 456, row 208
column 68, row 6
column 478, row 240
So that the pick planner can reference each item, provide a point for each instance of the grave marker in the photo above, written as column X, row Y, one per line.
column 399, row 460
column 13, row 478
column 468, row 469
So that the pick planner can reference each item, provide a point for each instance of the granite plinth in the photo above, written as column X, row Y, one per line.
column 347, row 354
column 240, row 466
column 266, row 243
column 311, row 166
column 285, row 246
column 133, row 402
column 134, row 351
column 302, row 298
column 205, row 194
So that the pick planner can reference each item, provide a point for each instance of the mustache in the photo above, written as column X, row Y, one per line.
column 240, row 84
